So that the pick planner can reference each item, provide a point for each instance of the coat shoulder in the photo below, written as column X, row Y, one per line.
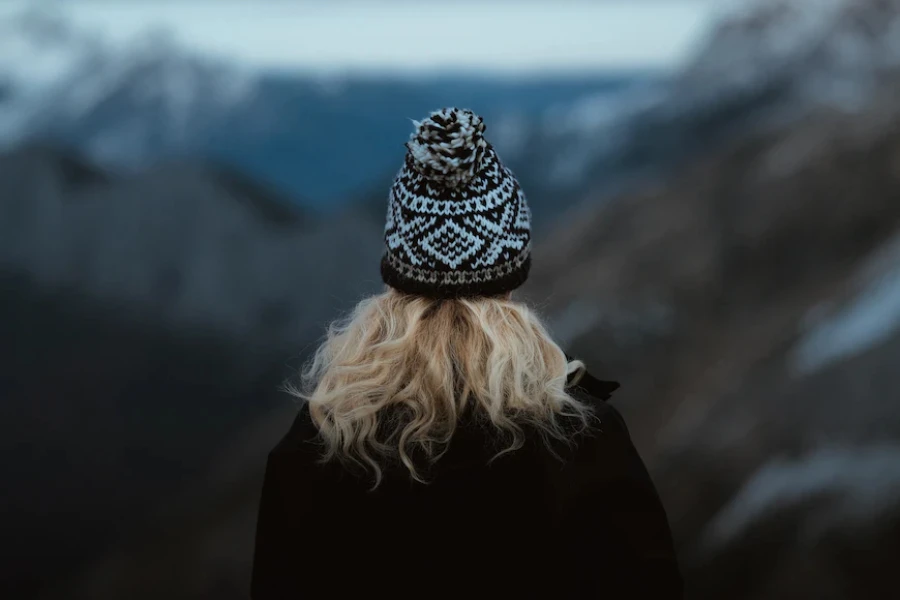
column 301, row 436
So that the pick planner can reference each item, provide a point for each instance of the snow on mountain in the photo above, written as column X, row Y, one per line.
column 856, row 486
column 763, row 63
column 128, row 100
column 591, row 129
column 37, row 54
column 822, row 51
column 871, row 316
column 161, row 72
column 38, row 51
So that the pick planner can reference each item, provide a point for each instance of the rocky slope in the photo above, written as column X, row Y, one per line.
column 750, row 308
column 145, row 321
column 189, row 245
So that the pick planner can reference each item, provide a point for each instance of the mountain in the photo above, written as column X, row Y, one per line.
column 103, row 417
column 829, row 53
column 318, row 139
column 188, row 245
column 749, row 303
column 127, row 102
column 765, row 65
column 145, row 319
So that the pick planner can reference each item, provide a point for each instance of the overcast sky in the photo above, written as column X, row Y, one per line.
column 402, row 35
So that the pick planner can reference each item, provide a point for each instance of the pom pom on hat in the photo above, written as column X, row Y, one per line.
column 448, row 147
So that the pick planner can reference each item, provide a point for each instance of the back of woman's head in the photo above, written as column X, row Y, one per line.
column 393, row 379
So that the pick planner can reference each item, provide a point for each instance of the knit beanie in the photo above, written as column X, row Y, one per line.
column 458, row 224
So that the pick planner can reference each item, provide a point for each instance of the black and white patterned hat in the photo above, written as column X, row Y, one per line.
column 458, row 224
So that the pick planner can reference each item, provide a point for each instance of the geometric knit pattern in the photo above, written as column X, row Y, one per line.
column 458, row 224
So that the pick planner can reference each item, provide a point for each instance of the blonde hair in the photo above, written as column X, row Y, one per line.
column 434, row 359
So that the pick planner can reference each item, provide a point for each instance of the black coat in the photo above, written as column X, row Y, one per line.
column 526, row 526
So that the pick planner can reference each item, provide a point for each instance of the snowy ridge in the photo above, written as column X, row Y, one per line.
column 37, row 53
column 870, row 317
column 130, row 102
column 593, row 129
column 854, row 486
column 832, row 51
column 763, row 64
column 58, row 77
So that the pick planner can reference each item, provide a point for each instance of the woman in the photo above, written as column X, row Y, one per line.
column 446, row 446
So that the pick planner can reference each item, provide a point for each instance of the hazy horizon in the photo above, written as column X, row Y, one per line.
column 406, row 37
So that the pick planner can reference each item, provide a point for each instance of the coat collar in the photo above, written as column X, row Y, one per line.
column 597, row 388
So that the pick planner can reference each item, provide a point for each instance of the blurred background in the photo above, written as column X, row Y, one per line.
column 191, row 190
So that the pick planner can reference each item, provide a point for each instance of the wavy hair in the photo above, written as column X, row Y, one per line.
column 392, row 379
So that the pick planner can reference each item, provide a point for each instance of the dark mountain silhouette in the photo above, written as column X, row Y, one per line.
column 102, row 417
column 733, row 303
column 121, row 375
column 185, row 243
